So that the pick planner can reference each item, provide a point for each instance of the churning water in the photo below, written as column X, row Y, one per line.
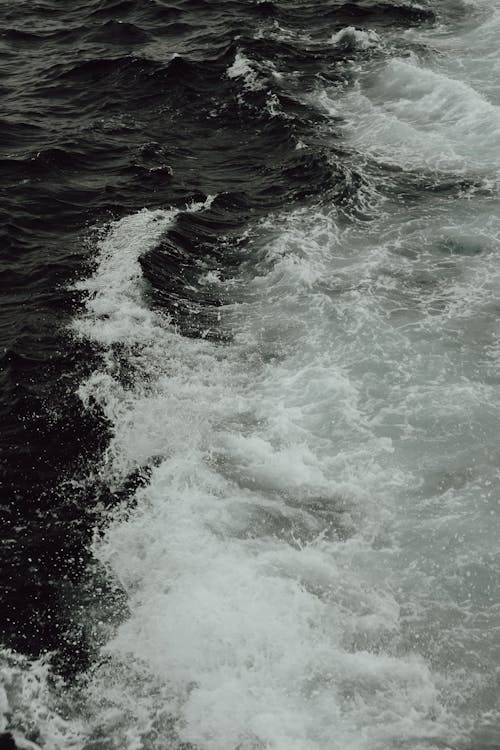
column 289, row 316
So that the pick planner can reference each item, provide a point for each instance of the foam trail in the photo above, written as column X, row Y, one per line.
column 274, row 561
column 413, row 116
column 115, row 297
column 249, row 559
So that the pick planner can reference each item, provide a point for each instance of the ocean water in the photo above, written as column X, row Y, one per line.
column 251, row 348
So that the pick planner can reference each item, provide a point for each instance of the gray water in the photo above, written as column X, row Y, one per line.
column 313, row 563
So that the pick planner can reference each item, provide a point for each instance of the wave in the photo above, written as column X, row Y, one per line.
column 286, row 429
column 244, row 468
column 408, row 115
column 118, row 32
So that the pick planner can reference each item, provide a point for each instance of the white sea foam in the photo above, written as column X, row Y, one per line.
column 115, row 293
column 253, row 79
column 212, row 606
column 29, row 710
column 242, row 68
column 415, row 117
column 269, row 562
column 352, row 38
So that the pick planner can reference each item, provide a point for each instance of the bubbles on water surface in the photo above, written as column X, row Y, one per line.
column 263, row 547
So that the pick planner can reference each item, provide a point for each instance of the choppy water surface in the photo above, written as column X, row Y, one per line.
column 251, row 349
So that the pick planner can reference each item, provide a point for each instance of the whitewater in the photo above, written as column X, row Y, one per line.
column 310, row 558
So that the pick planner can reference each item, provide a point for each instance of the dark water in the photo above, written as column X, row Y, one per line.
column 113, row 107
